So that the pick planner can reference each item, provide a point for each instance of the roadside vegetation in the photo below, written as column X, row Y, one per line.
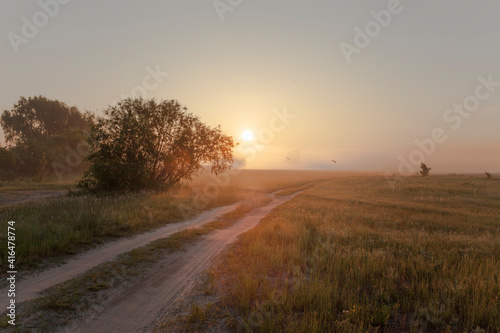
column 62, row 226
column 350, row 255
column 60, row 305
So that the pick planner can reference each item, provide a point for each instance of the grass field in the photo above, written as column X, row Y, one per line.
column 59, row 227
column 347, row 255
column 351, row 255
column 64, row 302
column 269, row 180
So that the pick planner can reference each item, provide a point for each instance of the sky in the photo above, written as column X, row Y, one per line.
column 373, row 85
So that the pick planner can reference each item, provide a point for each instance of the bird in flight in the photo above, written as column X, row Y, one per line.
column 288, row 158
column 334, row 161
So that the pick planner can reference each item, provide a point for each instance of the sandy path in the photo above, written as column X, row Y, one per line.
column 138, row 309
column 30, row 287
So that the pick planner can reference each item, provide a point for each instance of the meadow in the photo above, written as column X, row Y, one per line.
column 55, row 228
column 348, row 254
column 352, row 255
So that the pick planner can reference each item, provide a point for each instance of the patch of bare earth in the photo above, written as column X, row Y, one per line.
column 12, row 198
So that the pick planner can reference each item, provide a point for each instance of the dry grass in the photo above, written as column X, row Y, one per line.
column 270, row 180
column 350, row 255
column 57, row 227
column 68, row 301
column 62, row 226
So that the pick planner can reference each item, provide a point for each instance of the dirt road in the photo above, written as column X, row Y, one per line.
column 138, row 309
column 11, row 198
column 29, row 288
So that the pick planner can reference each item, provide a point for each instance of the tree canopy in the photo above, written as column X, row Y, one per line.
column 39, row 118
column 145, row 144
column 7, row 163
column 39, row 131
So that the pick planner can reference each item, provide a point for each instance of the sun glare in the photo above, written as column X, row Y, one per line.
column 247, row 135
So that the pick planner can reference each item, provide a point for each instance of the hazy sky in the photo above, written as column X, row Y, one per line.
column 268, row 56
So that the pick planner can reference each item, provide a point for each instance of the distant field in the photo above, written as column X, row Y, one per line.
column 55, row 227
column 259, row 180
column 271, row 180
column 350, row 255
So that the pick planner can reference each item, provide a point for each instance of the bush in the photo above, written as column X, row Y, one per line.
column 424, row 172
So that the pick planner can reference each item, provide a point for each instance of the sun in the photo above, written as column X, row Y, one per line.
column 247, row 135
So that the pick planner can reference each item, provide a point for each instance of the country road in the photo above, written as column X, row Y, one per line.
column 143, row 305
column 30, row 287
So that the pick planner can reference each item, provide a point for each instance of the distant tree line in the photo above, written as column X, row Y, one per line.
column 39, row 131
column 138, row 144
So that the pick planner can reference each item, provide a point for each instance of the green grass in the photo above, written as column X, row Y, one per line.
column 350, row 255
column 62, row 226
column 57, row 227
column 61, row 304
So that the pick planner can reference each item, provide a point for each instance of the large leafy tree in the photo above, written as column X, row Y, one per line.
column 144, row 144
column 39, row 118
column 7, row 163
column 38, row 129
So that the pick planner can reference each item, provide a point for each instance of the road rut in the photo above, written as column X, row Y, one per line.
column 32, row 286
column 138, row 309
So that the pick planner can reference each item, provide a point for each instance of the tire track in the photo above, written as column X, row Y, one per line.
column 138, row 309
column 30, row 287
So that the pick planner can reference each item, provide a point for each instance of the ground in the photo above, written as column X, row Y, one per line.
column 354, row 255
column 332, row 252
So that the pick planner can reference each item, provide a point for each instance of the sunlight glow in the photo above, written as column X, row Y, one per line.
column 247, row 136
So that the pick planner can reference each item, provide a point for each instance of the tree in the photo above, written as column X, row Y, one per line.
column 488, row 175
column 39, row 118
column 143, row 144
column 7, row 163
column 42, row 169
column 424, row 170
column 39, row 130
